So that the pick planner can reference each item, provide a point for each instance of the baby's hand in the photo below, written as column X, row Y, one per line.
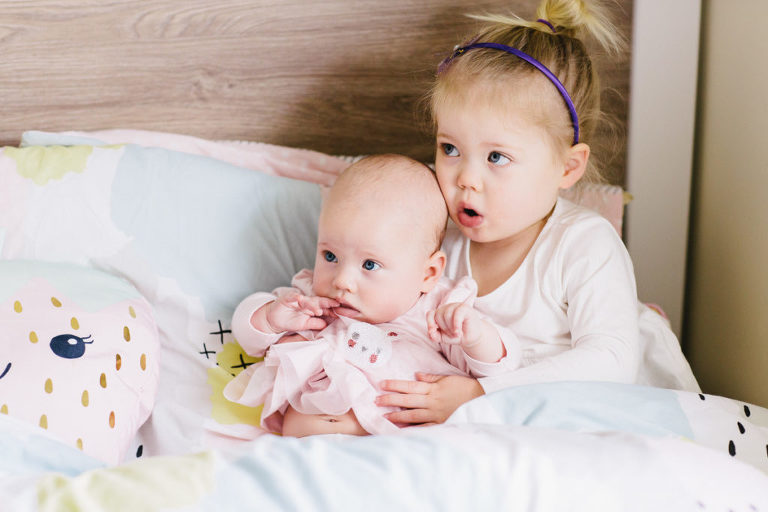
column 296, row 312
column 456, row 323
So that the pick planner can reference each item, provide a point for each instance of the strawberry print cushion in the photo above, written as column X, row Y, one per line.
column 79, row 354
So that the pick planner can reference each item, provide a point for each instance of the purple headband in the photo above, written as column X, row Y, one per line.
column 535, row 63
column 552, row 27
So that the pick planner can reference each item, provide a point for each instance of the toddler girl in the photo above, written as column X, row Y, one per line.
column 515, row 109
column 375, row 306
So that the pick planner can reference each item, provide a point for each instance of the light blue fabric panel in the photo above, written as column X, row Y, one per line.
column 221, row 232
column 37, row 138
column 91, row 289
column 582, row 407
column 23, row 451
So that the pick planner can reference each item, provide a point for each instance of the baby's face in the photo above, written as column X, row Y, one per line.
column 371, row 259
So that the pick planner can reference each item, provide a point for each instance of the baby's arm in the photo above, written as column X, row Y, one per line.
column 459, row 323
column 292, row 312
column 249, row 322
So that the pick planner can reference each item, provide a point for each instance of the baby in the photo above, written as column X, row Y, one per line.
column 375, row 307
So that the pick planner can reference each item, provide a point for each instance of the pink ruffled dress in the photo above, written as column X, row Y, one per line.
column 340, row 367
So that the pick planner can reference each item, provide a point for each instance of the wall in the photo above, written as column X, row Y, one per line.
column 727, row 296
column 665, row 46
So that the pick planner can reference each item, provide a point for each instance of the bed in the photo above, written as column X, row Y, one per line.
column 161, row 160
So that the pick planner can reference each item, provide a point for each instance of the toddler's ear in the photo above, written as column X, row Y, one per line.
column 433, row 270
column 575, row 164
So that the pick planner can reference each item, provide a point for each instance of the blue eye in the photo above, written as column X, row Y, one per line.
column 329, row 256
column 371, row 265
column 449, row 149
column 497, row 158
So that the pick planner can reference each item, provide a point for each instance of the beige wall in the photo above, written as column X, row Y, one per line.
column 665, row 55
column 726, row 323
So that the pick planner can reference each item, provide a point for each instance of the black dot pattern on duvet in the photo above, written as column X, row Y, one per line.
column 732, row 448
column 702, row 506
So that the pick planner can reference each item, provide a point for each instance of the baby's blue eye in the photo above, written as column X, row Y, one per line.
column 449, row 149
column 371, row 265
column 497, row 158
column 329, row 256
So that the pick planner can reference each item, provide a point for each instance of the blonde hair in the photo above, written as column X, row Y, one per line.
column 386, row 179
column 561, row 51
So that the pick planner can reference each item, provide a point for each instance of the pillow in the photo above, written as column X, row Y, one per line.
column 193, row 234
column 608, row 200
column 194, row 225
column 80, row 354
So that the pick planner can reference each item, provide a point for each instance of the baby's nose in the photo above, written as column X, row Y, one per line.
column 343, row 280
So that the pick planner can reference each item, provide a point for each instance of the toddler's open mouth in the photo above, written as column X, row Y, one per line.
column 469, row 217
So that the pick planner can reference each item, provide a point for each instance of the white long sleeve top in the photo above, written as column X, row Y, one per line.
column 573, row 306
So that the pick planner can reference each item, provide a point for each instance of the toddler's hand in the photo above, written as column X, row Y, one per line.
column 296, row 312
column 456, row 323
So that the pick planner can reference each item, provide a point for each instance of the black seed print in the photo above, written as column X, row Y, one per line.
column 702, row 396
column 741, row 427
column 140, row 451
column 747, row 412
column 731, row 448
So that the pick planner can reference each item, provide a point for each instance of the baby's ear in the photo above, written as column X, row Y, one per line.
column 575, row 164
column 433, row 270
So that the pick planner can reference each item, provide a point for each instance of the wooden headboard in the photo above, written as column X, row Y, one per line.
column 340, row 76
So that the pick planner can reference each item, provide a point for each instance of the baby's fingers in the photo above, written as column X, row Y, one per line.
column 460, row 315
column 327, row 302
column 316, row 323
column 315, row 306
column 289, row 300
column 432, row 328
column 445, row 319
column 326, row 306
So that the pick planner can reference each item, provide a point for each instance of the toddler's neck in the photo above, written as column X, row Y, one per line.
column 493, row 263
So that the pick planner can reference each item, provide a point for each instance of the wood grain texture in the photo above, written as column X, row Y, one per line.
column 340, row 76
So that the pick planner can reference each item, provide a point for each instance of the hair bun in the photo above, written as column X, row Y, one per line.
column 576, row 18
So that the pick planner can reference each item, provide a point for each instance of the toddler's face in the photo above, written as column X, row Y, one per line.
column 371, row 259
column 497, row 169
